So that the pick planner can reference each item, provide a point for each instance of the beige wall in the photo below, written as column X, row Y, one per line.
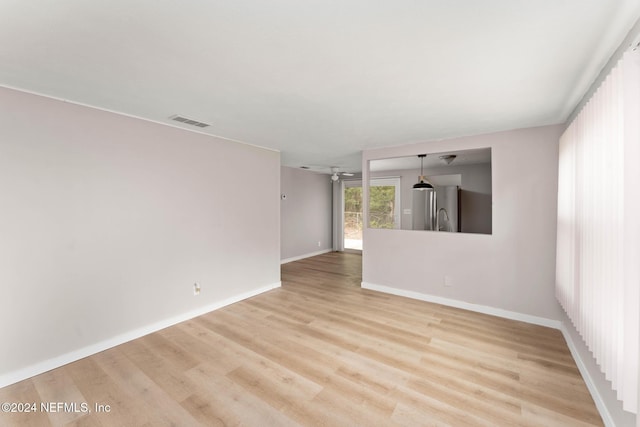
column 305, row 217
column 107, row 221
column 512, row 269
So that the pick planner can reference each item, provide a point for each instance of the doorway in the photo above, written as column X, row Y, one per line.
column 352, row 224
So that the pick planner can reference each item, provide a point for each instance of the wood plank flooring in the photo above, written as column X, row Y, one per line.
column 321, row 351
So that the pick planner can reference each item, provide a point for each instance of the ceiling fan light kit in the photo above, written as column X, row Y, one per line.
column 336, row 175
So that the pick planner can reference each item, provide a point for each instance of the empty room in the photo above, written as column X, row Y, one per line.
column 320, row 213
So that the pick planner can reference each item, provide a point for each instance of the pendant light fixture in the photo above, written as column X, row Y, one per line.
column 423, row 184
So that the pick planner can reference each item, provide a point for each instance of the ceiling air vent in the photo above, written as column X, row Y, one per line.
column 188, row 121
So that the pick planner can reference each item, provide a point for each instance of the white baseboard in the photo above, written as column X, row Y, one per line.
column 309, row 255
column 513, row 315
column 591, row 386
column 49, row 364
column 556, row 324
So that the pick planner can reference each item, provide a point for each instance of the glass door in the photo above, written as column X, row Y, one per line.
column 352, row 215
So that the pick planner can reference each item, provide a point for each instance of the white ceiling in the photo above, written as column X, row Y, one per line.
column 432, row 160
column 319, row 80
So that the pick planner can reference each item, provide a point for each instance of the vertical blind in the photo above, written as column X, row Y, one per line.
column 598, row 246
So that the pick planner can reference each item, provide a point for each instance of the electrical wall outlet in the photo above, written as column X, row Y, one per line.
column 196, row 289
column 448, row 281
column 319, row 243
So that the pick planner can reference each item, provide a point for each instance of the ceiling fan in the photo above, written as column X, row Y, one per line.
column 336, row 175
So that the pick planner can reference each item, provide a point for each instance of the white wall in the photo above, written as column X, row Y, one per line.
column 512, row 269
column 107, row 221
column 305, row 215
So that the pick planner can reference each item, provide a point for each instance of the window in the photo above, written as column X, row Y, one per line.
column 384, row 203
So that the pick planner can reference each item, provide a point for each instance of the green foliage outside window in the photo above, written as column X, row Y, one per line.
column 381, row 207
column 353, row 213
column 382, row 200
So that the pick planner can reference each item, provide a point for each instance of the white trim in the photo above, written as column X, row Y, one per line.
column 535, row 320
column 309, row 255
column 550, row 323
column 593, row 390
column 56, row 362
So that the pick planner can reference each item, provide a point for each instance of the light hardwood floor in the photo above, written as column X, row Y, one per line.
column 322, row 351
